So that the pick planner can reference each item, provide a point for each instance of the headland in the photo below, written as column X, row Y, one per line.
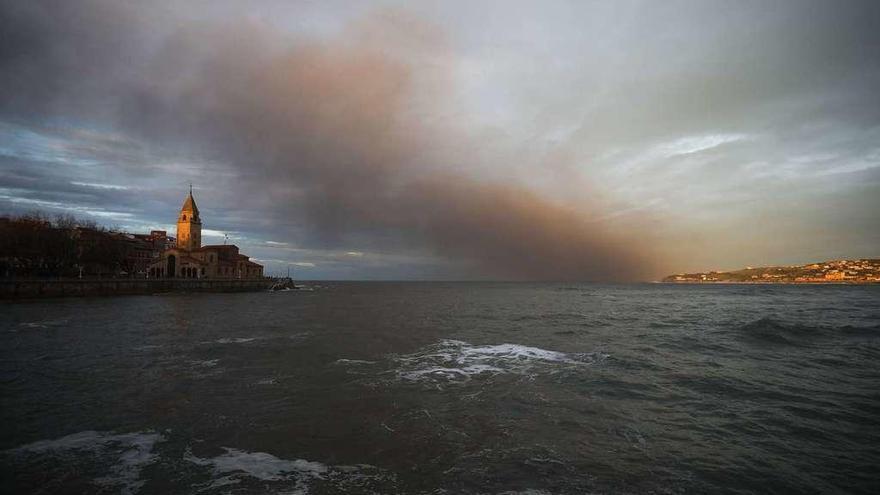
column 855, row 271
column 67, row 257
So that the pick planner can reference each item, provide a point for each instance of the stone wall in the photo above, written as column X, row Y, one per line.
column 14, row 289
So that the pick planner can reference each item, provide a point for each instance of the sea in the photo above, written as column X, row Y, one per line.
column 445, row 388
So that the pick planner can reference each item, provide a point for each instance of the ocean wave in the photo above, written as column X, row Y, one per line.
column 42, row 324
column 455, row 361
column 859, row 331
column 126, row 454
column 344, row 361
column 237, row 466
column 772, row 331
column 261, row 338
column 545, row 317
column 147, row 347
column 204, row 368
column 234, row 465
column 234, row 340
column 205, row 363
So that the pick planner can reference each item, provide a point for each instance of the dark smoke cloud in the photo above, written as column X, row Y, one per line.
column 331, row 132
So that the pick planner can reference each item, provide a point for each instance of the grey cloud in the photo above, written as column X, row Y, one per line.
column 359, row 138
column 332, row 119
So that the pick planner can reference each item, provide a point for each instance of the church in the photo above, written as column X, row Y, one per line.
column 189, row 259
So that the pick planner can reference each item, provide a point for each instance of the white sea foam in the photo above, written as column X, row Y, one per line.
column 234, row 466
column 234, row 340
column 146, row 347
column 248, row 340
column 43, row 324
column 207, row 363
column 205, row 368
column 449, row 373
column 510, row 351
column 128, row 453
column 454, row 361
column 353, row 361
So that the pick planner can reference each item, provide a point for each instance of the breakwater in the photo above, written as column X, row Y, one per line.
column 17, row 289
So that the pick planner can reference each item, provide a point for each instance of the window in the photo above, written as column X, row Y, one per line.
column 184, row 218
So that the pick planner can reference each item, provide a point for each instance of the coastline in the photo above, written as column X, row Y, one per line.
column 750, row 282
column 39, row 289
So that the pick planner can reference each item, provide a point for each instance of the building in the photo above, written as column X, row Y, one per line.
column 158, row 240
column 187, row 258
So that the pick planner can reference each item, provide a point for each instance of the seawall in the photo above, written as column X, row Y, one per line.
column 18, row 289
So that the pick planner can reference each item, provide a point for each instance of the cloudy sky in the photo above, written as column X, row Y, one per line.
column 455, row 140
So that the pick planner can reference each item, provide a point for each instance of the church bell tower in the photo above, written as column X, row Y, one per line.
column 189, row 225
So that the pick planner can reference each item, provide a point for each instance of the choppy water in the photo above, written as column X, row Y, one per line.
column 446, row 388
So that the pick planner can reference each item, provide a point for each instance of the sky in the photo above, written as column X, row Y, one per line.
column 490, row 140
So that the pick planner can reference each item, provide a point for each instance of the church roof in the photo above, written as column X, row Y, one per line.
column 189, row 204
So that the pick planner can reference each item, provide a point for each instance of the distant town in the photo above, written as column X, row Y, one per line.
column 859, row 271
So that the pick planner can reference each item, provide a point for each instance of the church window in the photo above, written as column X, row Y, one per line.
column 184, row 218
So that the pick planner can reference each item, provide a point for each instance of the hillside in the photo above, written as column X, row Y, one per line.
column 834, row 271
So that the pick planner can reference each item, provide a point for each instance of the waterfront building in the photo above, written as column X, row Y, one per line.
column 189, row 259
